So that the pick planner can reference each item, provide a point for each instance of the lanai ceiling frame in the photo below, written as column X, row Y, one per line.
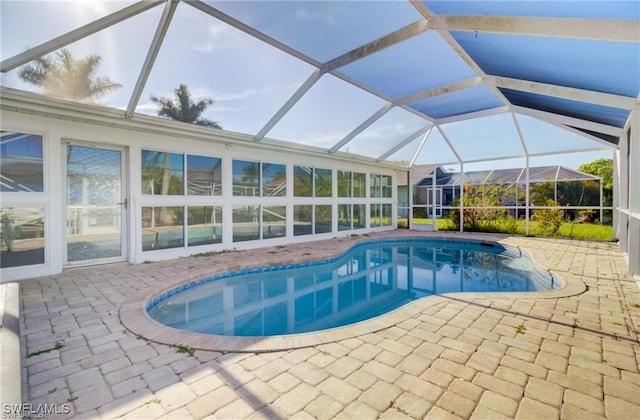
column 614, row 30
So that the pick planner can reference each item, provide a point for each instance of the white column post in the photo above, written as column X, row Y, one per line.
column 633, row 235
column 433, row 200
column 461, row 197
column 615, row 217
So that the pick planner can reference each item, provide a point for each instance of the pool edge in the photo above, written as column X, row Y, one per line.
column 134, row 316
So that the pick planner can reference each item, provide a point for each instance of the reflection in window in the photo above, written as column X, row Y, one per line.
column 204, row 225
column 386, row 186
column 359, row 184
column 162, row 173
column 302, row 181
column 344, row 184
column 324, row 302
column 344, row 216
column 375, row 185
column 375, row 215
column 322, row 182
column 162, row 227
column 323, row 219
column 21, row 167
column 386, row 215
column 204, row 175
column 302, row 220
column 359, row 216
column 345, row 295
column 273, row 317
column 94, row 219
column 274, row 180
column 246, row 178
column 246, row 225
column 274, row 221
column 304, row 309
column 22, row 232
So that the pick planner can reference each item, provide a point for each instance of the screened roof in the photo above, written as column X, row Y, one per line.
column 500, row 176
column 411, row 82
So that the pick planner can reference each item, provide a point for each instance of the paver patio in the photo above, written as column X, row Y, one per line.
column 459, row 357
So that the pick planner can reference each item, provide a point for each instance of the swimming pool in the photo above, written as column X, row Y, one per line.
column 370, row 279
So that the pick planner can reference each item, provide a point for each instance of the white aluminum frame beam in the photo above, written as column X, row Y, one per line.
column 420, row 147
column 293, row 99
column 77, row 34
column 619, row 30
column 409, row 139
column 473, row 115
column 556, row 91
column 446, row 139
column 442, row 90
column 363, row 126
column 402, row 34
column 572, row 121
column 158, row 37
column 212, row 11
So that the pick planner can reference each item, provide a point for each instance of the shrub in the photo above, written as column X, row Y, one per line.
column 480, row 209
column 549, row 220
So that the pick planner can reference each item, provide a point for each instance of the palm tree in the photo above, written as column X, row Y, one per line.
column 183, row 108
column 67, row 77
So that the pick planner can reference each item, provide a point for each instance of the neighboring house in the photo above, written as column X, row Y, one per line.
column 566, row 187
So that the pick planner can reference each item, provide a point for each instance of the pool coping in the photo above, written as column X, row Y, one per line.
column 134, row 316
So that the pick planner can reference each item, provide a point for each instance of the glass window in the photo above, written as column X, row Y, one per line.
column 204, row 225
column 344, row 184
column 359, row 184
column 344, row 216
column 162, row 173
column 386, row 215
column 375, row 185
column 421, row 194
column 162, row 227
column 274, row 221
column 274, row 180
column 302, row 181
column 21, row 167
column 386, row 186
column 22, row 234
column 246, row 226
column 246, row 178
column 204, row 175
column 375, row 215
column 359, row 216
column 302, row 220
column 322, row 182
column 323, row 219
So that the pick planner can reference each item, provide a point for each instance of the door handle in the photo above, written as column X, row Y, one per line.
column 125, row 202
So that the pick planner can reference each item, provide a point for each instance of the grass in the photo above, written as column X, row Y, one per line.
column 189, row 351
column 57, row 346
column 567, row 229
column 212, row 253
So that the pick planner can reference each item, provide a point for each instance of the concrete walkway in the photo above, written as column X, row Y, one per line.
column 482, row 358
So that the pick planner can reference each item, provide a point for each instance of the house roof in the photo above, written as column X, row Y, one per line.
column 505, row 176
column 396, row 81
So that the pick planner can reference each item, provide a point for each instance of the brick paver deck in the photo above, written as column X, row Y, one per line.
column 472, row 357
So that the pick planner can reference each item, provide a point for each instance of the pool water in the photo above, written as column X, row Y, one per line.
column 370, row 279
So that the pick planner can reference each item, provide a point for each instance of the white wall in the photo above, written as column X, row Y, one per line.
column 627, row 192
column 56, row 131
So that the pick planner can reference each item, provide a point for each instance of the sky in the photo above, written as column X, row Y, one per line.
column 249, row 80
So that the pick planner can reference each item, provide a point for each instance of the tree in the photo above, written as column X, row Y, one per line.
column 604, row 169
column 183, row 108
column 66, row 77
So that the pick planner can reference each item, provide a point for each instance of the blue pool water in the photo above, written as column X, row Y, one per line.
column 368, row 280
